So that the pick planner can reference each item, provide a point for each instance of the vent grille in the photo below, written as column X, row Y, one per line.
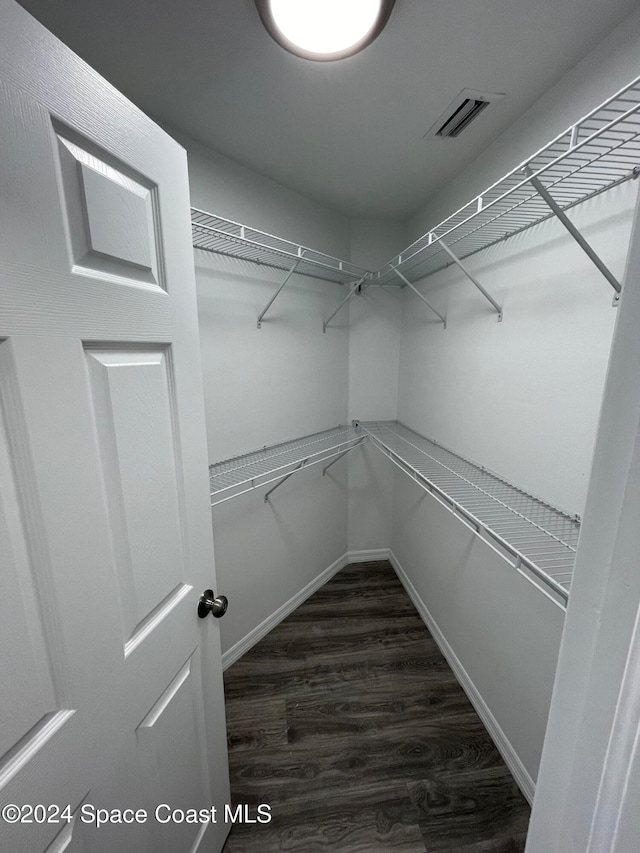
column 469, row 109
column 461, row 112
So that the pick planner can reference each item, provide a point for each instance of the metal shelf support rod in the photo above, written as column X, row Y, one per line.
column 344, row 453
column 286, row 477
column 417, row 293
column 571, row 228
column 472, row 278
column 344, row 302
column 278, row 291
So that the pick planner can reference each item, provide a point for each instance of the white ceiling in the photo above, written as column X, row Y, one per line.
column 348, row 134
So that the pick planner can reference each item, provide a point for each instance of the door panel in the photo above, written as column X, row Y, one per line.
column 134, row 421
column 175, row 719
column 25, row 668
column 110, row 216
column 68, row 566
column 111, row 685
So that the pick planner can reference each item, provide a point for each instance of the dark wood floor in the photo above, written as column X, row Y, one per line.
column 348, row 722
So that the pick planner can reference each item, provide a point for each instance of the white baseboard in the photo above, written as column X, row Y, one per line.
column 368, row 556
column 236, row 651
column 511, row 758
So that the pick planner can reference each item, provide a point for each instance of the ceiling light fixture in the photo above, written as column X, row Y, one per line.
column 324, row 29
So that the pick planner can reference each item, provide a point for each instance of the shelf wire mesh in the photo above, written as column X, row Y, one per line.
column 597, row 153
column 225, row 237
column 540, row 537
column 233, row 477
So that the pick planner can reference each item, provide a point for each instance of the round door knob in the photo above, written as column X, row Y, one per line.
column 210, row 604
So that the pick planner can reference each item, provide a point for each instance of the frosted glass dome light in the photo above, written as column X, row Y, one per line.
column 324, row 29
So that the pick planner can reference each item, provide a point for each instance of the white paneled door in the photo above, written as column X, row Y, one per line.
column 111, row 686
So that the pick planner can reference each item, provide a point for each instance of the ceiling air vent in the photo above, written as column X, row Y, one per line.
column 461, row 112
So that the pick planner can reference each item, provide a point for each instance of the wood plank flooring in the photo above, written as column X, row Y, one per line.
column 348, row 722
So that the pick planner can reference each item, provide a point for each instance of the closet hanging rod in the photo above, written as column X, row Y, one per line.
column 595, row 154
column 222, row 236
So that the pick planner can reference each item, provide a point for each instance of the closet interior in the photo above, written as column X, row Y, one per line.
column 484, row 550
column 593, row 155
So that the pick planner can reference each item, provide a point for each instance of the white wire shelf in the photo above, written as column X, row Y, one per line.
column 539, row 537
column 234, row 477
column 595, row 154
column 225, row 237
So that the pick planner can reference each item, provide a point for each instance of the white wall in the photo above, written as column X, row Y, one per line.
column 264, row 386
column 223, row 186
column 374, row 324
column 375, row 319
column 521, row 397
column 267, row 385
column 267, row 553
column 499, row 631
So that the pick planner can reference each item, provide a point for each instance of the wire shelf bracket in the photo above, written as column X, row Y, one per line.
column 440, row 316
column 355, row 289
column 305, row 463
column 277, row 293
column 575, row 233
column 284, row 479
column 344, row 453
column 473, row 279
